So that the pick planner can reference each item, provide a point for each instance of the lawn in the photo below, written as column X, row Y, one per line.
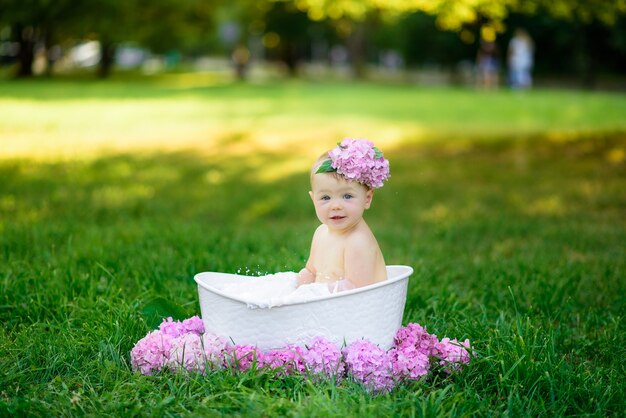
column 510, row 207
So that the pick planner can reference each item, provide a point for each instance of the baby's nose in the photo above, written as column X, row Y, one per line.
column 336, row 204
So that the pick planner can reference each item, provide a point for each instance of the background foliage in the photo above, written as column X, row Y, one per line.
column 584, row 38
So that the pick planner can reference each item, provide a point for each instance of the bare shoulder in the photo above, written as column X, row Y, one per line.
column 320, row 231
column 318, row 236
column 362, row 242
column 362, row 235
column 364, row 263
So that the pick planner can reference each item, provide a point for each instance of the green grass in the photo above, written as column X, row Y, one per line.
column 510, row 208
column 60, row 117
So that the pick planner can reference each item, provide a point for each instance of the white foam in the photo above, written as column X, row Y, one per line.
column 271, row 290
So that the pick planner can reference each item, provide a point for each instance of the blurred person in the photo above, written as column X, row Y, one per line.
column 487, row 64
column 241, row 57
column 520, row 60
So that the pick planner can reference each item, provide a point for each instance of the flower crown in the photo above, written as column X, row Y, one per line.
column 357, row 159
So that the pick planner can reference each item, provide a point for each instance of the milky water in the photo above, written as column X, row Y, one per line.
column 271, row 290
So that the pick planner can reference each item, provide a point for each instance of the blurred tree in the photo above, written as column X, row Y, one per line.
column 585, row 11
column 453, row 14
column 291, row 28
column 592, row 33
column 33, row 22
column 583, row 51
column 416, row 37
column 241, row 25
column 459, row 15
column 589, row 30
column 164, row 25
column 160, row 25
column 358, row 18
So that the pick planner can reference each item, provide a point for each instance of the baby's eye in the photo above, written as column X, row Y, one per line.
column 325, row 198
column 347, row 196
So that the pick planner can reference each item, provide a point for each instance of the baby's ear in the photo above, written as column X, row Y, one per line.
column 311, row 194
column 369, row 195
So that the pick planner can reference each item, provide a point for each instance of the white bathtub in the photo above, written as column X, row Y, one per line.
column 372, row 312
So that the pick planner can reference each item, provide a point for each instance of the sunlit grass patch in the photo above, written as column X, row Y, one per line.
column 72, row 119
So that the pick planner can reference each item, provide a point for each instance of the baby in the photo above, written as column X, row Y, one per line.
column 344, row 252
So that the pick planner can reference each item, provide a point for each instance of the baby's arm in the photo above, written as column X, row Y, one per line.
column 360, row 260
column 307, row 274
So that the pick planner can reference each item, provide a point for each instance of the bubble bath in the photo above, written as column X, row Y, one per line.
column 271, row 290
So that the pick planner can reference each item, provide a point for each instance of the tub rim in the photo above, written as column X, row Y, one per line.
column 405, row 273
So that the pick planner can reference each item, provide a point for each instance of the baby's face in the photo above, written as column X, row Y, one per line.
column 339, row 204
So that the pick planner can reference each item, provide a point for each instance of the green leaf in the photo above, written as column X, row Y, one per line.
column 325, row 167
column 378, row 153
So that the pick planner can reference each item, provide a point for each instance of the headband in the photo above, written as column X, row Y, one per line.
column 357, row 159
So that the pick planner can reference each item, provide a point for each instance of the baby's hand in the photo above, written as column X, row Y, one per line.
column 305, row 277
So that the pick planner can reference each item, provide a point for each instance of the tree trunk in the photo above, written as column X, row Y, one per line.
column 107, row 58
column 357, row 47
column 291, row 58
column 586, row 64
column 48, row 39
column 26, row 54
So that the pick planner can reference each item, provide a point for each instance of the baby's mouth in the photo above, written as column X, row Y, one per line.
column 336, row 217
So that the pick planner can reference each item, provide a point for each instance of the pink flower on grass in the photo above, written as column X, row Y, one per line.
column 290, row 359
column 323, row 358
column 193, row 352
column 184, row 346
column 453, row 354
column 194, row 324
column 413, row 346
column 243, row 356
column 177, row 328
column 414, row 335
column 409, row 363
column 369, row 365
column 152, row 352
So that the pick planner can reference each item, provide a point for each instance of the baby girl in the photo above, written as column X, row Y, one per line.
column 344, row 252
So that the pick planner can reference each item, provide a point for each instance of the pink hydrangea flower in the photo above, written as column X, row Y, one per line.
column 187, row 354
column 243, row 356
column 152, row 352
column 185, row 346
column 360, row 160
column 290, row 359
column 453, row 354
column 409, row 363
column 414, row 335
column 369, row 365
column 177, row 328
column 193, row 352
column 322, row 357
column 194, row 324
